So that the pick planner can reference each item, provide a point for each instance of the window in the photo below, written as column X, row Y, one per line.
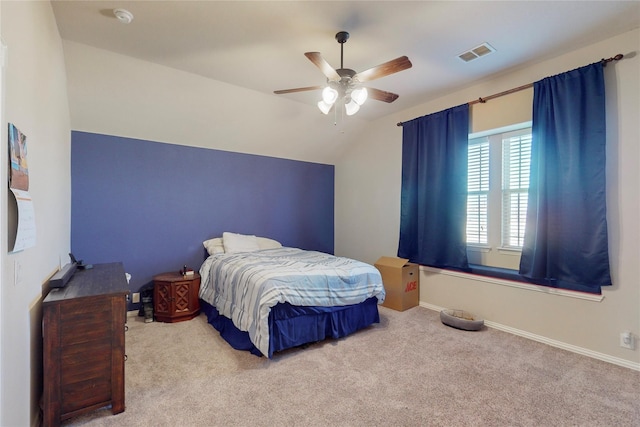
column 516, row 161
column 478, row 191
column 498, row 183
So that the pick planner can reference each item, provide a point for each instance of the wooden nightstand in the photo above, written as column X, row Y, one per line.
column 175, row 297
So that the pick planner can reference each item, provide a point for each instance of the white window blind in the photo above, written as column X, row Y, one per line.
column 498, row 186
column 478, row 191
column 516, row 161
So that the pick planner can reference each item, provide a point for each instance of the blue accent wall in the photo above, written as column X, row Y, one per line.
column 150, row 205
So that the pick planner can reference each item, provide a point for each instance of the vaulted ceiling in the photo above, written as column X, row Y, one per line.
column 260, row 45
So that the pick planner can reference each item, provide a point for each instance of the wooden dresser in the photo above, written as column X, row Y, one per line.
column 83, row 326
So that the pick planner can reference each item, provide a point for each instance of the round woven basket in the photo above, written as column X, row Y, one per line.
column 461, row 319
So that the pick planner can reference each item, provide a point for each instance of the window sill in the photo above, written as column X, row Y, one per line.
column 511, row 278
column 479, row 248
column 510, row 251
column 502, row 249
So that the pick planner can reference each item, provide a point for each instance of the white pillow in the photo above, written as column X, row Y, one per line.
column 239, row 242
column 265, row 243
column 214, row 246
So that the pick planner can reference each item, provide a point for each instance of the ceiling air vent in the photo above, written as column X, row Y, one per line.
column 476, row 52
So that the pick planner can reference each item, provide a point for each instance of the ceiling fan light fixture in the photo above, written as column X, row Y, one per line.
column 343, row 84
column 359, row 95
column 324, row 107
column 329, row 95
column 351, row 107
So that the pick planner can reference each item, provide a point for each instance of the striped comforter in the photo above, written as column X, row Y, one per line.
column 244, row 286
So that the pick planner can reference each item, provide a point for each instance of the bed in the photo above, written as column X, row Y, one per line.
column 265, row 298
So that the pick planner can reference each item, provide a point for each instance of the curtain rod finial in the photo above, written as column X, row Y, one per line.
column 618, row 57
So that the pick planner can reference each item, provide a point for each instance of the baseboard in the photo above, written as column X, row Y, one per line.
column 554, row 343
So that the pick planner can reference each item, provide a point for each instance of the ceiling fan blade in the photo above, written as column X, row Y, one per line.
column 381, row 95
column 324, row 66
column 298, row 89
column 390, row 67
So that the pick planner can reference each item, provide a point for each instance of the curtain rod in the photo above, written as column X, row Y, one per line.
column 527, row 86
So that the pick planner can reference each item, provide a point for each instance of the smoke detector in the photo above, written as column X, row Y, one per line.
column 477, row 52
column 123, row 15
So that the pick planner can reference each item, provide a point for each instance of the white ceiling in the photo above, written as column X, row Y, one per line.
column 260, row 45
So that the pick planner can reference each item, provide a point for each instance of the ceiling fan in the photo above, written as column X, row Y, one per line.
column 346, row 84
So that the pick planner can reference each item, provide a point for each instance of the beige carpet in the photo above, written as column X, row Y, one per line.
column 409, row 370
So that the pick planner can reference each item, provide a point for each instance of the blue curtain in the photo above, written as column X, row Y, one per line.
column 565, row 242
column 433, row 205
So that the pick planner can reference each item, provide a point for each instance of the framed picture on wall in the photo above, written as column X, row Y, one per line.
column 19, row 171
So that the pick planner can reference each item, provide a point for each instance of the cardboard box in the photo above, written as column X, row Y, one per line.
column 401, row 281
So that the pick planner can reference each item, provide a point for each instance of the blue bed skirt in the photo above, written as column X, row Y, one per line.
column 292, row 326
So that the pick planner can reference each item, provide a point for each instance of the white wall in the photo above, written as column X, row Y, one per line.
column 368, row 215
column 36, row 102
column 118, row 95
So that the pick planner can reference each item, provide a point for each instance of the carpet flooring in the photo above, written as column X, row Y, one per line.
column 409, row 370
